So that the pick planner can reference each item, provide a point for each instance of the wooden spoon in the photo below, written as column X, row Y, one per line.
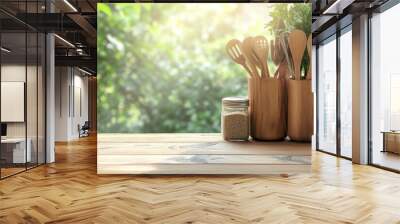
column 247, row 49
column 234, row 50
column 260, row 48
column 309, row 49
column 297, row 44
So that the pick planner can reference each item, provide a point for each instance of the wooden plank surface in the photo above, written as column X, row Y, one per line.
column 161, row 137
column 197, row 154
column 211, row 148
column 202, row 169
column 203, row 159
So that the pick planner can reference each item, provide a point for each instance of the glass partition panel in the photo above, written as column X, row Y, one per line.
column 22, row 87
column 33, row 60
column 346, row 93
column 327, row 96
column 41, row 98
column 14, row 153
column 31, row 99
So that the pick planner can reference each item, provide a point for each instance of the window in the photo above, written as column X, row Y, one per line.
column 385, row 88
column 327, row 96
column 346, row 92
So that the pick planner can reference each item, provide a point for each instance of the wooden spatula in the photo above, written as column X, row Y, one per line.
column 297, row 44
column 234, row 50
column 247, row 49
column 261, row 50
column 276, row 54
column 309, row 50
column 283, row 38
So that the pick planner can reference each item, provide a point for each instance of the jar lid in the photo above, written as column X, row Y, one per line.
column 235, row 101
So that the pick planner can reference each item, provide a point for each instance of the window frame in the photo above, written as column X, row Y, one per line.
column 336, row 35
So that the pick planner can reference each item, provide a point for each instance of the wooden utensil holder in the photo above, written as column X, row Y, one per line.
column 267, row 98
column 300, row 110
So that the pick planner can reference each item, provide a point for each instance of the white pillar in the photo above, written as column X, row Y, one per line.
column 360, row 90
column 50, row 99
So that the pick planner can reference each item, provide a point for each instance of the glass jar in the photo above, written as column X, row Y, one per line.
column 235, row 122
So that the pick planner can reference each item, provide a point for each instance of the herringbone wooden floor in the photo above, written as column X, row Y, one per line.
column 70, row 191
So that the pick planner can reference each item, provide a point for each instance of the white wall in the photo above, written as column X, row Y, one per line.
column 70, row 83
column 81, row 89
column 62, row 81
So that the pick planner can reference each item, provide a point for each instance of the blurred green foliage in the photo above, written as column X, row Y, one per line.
column 163, row 67
column 287, row 17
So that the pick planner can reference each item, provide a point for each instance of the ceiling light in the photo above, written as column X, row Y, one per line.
column 70, row 5
column 65, row 41
column 5, row 50
column 84, row 71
